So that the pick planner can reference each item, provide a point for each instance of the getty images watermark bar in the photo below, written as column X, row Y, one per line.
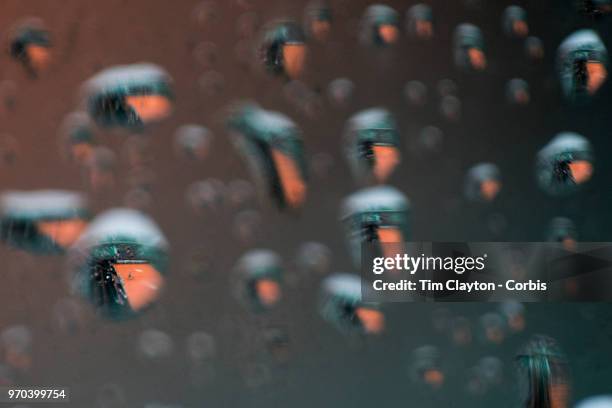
column 487, row 271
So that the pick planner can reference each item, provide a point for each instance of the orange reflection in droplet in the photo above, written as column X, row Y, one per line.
column 386, row 159
column 478, row 60
column 63, row 232
column 388, row 33
column 149, row 107
column 597, row 75
column 294, row 59
column 489, row 189
column 320, row 29
column 294, row 187
column 373, row 321
column 38, row 56
column 581, row 170
column 520, row 28
column 141, row 282
column 424, row 28
column 268, row 291
column 434, row 377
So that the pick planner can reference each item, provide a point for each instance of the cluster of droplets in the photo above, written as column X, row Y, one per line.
column 131, row 99
column 431, row 364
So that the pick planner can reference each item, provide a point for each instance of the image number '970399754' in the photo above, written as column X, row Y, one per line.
column 187, row 189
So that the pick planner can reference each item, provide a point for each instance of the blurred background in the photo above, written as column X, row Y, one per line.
column 290, row 357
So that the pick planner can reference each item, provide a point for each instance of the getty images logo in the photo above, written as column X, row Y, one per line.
column 458, row 263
